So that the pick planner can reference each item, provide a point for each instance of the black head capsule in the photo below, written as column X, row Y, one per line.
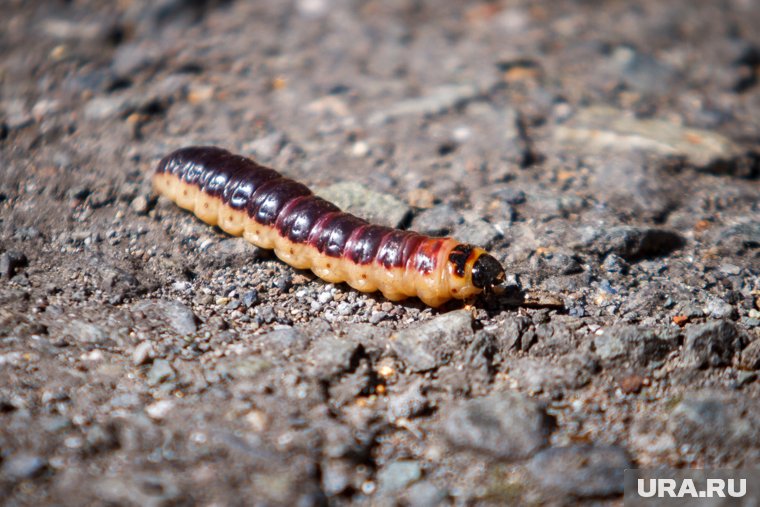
column 487, row 272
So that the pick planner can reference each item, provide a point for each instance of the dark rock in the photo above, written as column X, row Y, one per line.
column 433, row 343
column 506, row 425
column 11, row 263
column 438, row 220
column 250, row 298
column 284, row 282
column 632, row 243
column 712, row 344
column 581, row 471
column 638, row 345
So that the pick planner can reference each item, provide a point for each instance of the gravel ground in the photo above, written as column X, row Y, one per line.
column 607, row 152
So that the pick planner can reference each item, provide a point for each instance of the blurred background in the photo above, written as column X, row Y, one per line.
column 605, row 151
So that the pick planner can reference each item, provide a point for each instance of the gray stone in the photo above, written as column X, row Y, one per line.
column 477, row 232
column 86, row 332
column 559, row 262
column 631, row 243
column 433, row 343
column 633, row 185
column 640, row 71
column 250, row 298
column 719, row 309
column 714, row 421
column 638, row 345
column 399, row 474
column 23, row 466
column 11, row 263
column 437, row 101
column 175, row 314
column 101, row 108
column 738, row 237
column 712, row 344
column 437, row 221
column 751, row 355
column 268, row 146
column 615, row 264
column 140, row 205
column 425, row 494
column 601, row 128
column 363, row 202
column 285, row 338
column 409, row 403
column 143, row 353
column 331, row 355
column 581, row 471
column 506, row 425
column 160, row 372
column 509, row 335
column 510, row 195
column 131, row 58
column 536, row 375
column 229, row 252
column 337, row 475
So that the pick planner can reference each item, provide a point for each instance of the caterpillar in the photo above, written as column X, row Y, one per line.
column 307, row 232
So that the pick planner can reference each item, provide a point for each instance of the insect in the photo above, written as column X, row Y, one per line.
column 274, row 212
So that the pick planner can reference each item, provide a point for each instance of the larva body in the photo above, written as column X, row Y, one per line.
column 246, row 199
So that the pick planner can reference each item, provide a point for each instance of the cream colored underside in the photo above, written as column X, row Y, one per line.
column 433, row 289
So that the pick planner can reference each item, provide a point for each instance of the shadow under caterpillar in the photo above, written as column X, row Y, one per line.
column 246, row 199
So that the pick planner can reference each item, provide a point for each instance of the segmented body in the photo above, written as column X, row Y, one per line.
column 308, row 232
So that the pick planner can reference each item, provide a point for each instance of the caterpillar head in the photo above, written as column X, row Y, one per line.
column 487, row 272
column 473, row 270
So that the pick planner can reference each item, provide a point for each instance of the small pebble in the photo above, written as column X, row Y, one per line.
column 143, row 353
column 11, row 263
column 161, row 371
